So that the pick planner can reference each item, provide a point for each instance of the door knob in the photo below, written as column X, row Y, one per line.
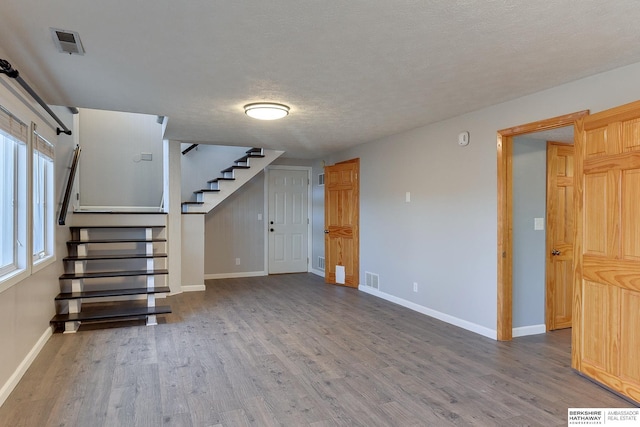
column 271, row 222
column 555, row 252
column 326, row 231
column 271, row 230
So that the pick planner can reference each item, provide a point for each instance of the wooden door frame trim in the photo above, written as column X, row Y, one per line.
column 505, row 213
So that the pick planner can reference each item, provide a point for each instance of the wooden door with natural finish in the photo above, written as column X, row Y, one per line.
column 559, row 260
column 341, row 221
column 606, row 324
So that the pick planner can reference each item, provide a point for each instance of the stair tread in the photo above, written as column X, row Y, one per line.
column 108, row 212
column 231, row 168
column 193, row 203
column 113, row 256
column 97, row 274
column 206, row 190
column 110, row 313
column 112, row 293
column 103, row 227
column 80, row 242
column 221, row 179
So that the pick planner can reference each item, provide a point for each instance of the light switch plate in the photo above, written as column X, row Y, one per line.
column 538, row 223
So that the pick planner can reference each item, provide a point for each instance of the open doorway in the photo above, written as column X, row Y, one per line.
column 505, row 256
column 542, row 231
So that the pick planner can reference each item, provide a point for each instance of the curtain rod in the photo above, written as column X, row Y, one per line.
column 6, row 68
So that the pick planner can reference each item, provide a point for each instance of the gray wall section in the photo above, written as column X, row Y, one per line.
column 233, row 230
column 529, row 202
column 444, row 239
column 111, row 171
column 317, row 215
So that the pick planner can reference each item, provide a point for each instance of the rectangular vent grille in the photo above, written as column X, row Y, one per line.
column 371, row 280
column 67, row 41
column 321, row 263
column 321, row 179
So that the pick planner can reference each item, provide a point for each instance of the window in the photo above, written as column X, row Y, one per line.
column 13, row 191
column 43, row 215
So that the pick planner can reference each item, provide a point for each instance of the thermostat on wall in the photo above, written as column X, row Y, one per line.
column 463, row 139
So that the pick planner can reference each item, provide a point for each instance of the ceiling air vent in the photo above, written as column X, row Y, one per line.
column 67, row 41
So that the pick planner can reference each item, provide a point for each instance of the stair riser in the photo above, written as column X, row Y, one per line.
column 131, row 264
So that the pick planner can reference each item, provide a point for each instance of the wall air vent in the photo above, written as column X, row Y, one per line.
column 372, row 280
column 67, row 41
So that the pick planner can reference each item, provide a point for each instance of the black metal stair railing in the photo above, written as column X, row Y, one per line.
column 67, row 193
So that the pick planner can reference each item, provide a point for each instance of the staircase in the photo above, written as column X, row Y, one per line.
column 232, row 178
column 112, row 272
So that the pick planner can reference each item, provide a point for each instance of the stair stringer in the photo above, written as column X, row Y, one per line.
column 241, row 176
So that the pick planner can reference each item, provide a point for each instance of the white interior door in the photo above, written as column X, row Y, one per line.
column 288, row 221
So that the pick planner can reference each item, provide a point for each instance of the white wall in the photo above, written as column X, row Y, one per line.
column 112, row 173
column 203, row 164
column 27, row 307
column 446, row 238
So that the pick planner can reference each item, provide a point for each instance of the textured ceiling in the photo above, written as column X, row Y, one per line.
column 352, row 71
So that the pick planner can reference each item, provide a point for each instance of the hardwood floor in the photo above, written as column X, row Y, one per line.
column 289, row 350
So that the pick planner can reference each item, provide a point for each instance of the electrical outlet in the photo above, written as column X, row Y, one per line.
column 415, row 286
column 237, row 261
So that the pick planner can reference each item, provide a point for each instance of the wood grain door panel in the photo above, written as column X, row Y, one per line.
column 560, row 235
column 606, row 335
column 342, row 216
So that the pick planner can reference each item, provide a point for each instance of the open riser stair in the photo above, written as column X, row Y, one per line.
column 230, row 179
column 112, row 273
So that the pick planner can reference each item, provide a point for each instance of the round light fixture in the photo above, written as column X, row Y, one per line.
column 266, row 110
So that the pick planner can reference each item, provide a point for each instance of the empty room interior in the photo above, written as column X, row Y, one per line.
column 309, row 213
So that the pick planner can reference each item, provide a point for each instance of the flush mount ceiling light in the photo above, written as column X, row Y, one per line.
column 266, row 110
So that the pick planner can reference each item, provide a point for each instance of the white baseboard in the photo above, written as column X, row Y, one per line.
column 235, row 275
column 317, row 272
column 523, row 331
column 14, row 379
column 193, row 288
column 461, row 323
